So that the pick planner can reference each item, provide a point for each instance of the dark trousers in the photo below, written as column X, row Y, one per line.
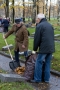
column 17, row 55
column 5, row 29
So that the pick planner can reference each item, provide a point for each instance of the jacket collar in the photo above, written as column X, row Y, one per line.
column 42, row 20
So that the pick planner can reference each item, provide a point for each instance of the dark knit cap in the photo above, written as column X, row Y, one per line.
column 18, row 20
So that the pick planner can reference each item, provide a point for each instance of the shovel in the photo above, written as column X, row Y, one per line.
column 13, row 64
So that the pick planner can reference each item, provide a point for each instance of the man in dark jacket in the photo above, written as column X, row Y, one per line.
column 44, row 40
column 5, row 23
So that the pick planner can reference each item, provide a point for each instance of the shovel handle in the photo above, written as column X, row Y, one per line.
column 8, row 47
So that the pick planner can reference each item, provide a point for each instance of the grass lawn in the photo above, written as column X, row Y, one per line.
column 15, row 86
column 31, row 30
column 56, row 32
column 56, row 60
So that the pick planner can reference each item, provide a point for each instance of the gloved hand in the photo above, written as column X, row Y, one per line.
column 33, row 52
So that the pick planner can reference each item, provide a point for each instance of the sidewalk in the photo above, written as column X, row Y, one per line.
column 54, row 83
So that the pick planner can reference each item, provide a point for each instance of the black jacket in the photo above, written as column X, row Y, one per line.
column 44, row 37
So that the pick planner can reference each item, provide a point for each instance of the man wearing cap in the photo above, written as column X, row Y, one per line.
column 21, row 38
column 44, row 42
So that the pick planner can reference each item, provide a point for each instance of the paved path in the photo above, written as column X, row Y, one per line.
column 54, row 84
column 4, row 63
column 54, row 80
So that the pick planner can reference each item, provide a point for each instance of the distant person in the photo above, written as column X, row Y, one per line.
column 5, row 23
column 21, row 39
column 0, row 21
column 44, row 42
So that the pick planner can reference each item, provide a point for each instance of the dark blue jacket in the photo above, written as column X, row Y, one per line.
column 44, row 37
column 5, row 23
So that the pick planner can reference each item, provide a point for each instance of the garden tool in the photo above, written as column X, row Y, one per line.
column 13, row 64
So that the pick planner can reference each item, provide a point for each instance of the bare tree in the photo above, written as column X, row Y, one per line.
column 13, row 12
column 49, row 10
column 34, row 11
column 1, row 2
column 6, row 8
column 23, row 11
column 37, row 7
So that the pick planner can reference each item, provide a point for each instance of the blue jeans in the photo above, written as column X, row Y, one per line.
column 26, row 53
column 38, row 67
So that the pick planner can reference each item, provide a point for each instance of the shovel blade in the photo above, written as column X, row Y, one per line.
column 13, row 65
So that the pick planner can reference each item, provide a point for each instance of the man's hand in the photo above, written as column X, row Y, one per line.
column 23, row 46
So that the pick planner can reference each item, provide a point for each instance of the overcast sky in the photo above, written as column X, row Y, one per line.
column 53, row 1
column 29, row 0
column 48, row 0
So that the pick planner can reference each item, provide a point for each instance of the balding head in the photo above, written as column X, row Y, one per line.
column 39, row 17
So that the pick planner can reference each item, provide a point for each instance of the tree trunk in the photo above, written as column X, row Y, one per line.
column 13, row 12
column 37, row 7
column 23, row 12
column 34, row 11
column 7, row 9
